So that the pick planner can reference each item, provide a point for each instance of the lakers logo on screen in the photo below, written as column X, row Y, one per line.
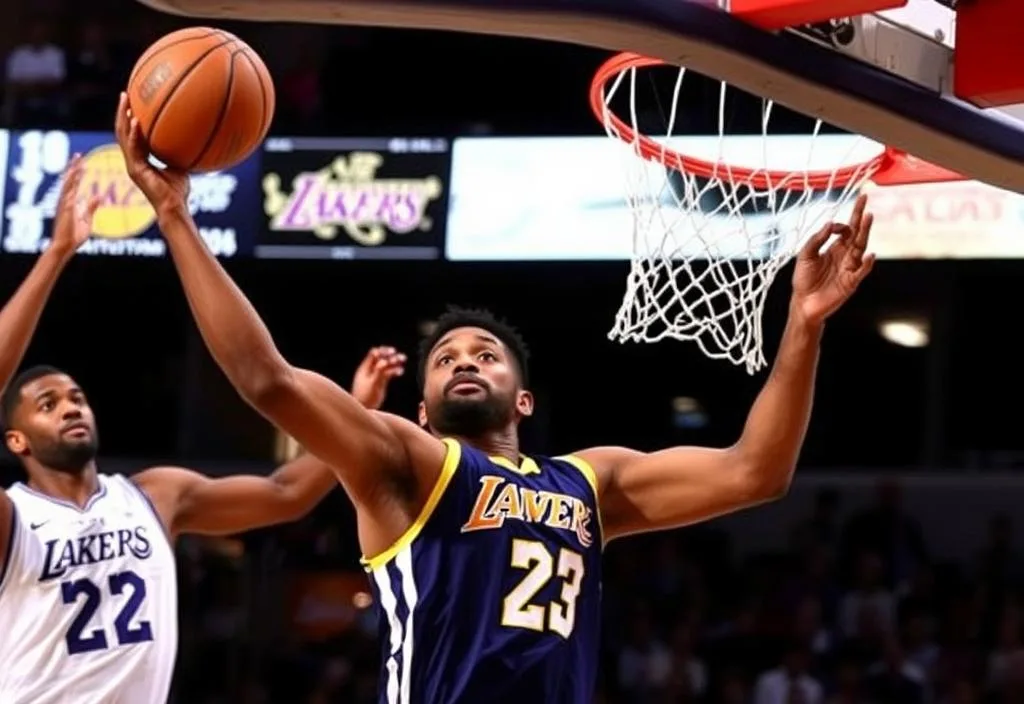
column 348, row 195
column 123, row 211
column 124, row 224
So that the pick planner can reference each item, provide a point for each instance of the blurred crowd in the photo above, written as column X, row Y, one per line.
column 53, row 82
column 67, row 75
column 858, row 611
column 64, row 71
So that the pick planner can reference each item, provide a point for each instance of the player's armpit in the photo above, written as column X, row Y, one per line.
column 189, row 502
column 641, row 492
column 362, row 448
column 426, row 453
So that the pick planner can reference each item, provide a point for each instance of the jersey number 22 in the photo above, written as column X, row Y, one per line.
column 118, row 584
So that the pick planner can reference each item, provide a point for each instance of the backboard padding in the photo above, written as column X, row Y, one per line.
column 990, row 52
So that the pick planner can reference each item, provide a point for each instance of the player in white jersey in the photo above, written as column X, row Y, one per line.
column 89, row 607
column 88, row 603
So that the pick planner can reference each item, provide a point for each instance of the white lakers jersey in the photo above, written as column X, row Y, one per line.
column 88, row 600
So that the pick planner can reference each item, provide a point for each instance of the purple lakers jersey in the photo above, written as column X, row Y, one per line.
column 493, row 594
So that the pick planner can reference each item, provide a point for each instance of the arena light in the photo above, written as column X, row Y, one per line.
column 688, row 413
column 906, row 332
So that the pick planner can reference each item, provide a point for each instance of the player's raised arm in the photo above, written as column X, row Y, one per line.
column 361, row 446
column 19, row 318
column 641, row 492
column 72, row 226
column 192, row 503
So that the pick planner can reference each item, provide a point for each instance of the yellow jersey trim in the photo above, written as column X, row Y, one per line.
column 451, row 463
column 526, row 467
column 591, row 476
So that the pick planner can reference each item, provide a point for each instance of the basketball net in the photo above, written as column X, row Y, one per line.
column 711, row 232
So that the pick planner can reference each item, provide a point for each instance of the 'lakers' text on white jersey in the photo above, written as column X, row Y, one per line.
column 88, row 600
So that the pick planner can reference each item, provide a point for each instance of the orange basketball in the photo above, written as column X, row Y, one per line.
column 204, row 99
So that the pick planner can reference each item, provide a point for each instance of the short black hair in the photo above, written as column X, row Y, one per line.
column 455, row 317
column 12, row 394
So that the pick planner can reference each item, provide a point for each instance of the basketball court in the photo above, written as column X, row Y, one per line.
column 931, row 86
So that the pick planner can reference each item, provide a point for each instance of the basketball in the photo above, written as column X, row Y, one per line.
column 203, row 98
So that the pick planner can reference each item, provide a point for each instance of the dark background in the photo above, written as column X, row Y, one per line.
column 126, row 320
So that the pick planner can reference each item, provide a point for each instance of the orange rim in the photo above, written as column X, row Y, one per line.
column 891, row 167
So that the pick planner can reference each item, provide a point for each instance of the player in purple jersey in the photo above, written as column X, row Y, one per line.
column 445, row 502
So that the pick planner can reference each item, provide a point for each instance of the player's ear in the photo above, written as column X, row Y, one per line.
column 16, row 442
column 524, row 403
column 421, row 413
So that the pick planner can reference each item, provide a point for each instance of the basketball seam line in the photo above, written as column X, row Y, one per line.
column 217, row 124
column 264, row 123
column 177, row 42
column 181, row 78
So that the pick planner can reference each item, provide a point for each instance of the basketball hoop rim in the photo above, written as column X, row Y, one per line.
column 890, row 167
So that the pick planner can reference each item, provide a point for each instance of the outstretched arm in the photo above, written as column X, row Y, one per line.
column 682, row 485
column 189, row 502
column 643, row 492
column 19, row 318
column 365, row 453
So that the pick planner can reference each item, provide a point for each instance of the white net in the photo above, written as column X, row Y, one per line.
column 707, row 245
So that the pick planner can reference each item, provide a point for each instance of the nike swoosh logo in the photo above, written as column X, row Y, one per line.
column 34, row 526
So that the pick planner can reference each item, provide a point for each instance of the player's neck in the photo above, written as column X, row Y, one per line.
column 504, row 443
column 74, row 488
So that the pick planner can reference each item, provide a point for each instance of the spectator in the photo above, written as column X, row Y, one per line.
column 822, row 526
column 1009, row 649
column 848, row 684
column 815, row 579
column 35, row 74
column 919, row 644
column 732, row 689
column 1000, row 564
column 869, row 605
column 894, row 679
column 920, row 594
column 886, row 530
column 809, row 628
column 644, row 663
column 689, row 674
column 790, row 683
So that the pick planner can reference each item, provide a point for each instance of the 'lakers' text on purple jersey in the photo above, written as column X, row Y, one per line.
column 493, row 595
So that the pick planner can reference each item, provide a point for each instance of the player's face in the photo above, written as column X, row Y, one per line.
column 54, row 425
column 472, row 386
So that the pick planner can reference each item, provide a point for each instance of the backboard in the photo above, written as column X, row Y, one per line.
column 886, row 75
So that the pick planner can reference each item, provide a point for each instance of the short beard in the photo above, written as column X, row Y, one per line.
column 471, row 418
column 66, row 457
